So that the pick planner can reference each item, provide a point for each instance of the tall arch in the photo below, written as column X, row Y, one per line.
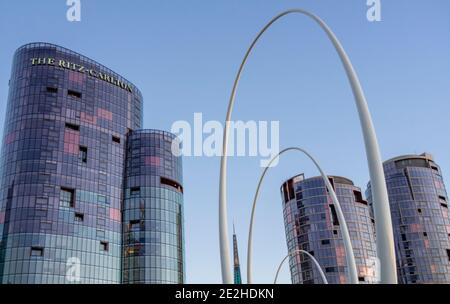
column 385, row 238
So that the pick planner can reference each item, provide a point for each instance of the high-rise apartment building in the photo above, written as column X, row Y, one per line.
column 153, row 239
column 420, row 216
column 311, row 224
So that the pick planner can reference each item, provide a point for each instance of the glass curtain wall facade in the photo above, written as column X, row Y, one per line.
column 312, row 225
column 62, row 167
column 420, row 216
column 153, row 236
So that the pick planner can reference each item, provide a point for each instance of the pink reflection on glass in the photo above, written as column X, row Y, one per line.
column 152, row 161
column 71, row 142
column 114, row 214
column 105, row 114
column 340, row 255
column 10, row 138
column 84, row 117
column 76, row 77
column 415, row 227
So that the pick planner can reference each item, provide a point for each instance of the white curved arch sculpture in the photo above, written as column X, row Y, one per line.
column 385, row 238
column 322, row 274
column 349, row 255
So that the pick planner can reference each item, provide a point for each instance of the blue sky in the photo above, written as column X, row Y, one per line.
column 183, row 55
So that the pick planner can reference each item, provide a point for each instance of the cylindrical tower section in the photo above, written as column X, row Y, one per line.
column 420, row 217
column 62, row 165
column 153, row 230
column 311, row 224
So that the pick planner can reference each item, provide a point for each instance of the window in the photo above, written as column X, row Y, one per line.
column 135, row 225
column 332, row 184
column 135, row 191
column 67, row 198
column 443, row 201
column 425, row 234
column 361, row 279
column 73, row 93
column 448, row 254
column 52, row 90
column 330, row 269
column 79, row 217
column 72, row 127
column 334, row 215
column 325, row 242
column 174, row 184
column 116, row 139
column 83, row 154
column 104, row 246
column 335, row 232
column 359, row 198
column 419, row 210
column 37, row 251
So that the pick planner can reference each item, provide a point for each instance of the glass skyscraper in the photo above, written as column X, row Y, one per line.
column 153, row 244
column 420, row 216
column 311, row 224
column 63, row 167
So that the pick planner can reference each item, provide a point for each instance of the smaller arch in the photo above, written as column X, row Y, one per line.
column 349, row 254
column 322, row 274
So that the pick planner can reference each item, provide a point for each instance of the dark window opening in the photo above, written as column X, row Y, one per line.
column 135, row 226
column 332, row 183
column 135, row 191
column 72, row 127
column 79, row 217
column 116, row 139
column 67, row 197
column 419, row 210
column 171, row 183
column 52, row 90
column 434, row 168
column 37, row 251
column 325, row 242
column 425, row 234
column 372, row 220
column 330, row 269
column 285, row 193
column 290, row 190
column 334, row 216
column 74, row 93
column 448, row 254
column 359, row 198
column 83, row 154
column 361, row 279
column 104, row 246
column 335, row 232
column 443, row 201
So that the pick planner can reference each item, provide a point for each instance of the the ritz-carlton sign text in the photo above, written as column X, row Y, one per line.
column 82, row 69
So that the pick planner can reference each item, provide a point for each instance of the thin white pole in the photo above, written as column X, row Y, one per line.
column 322, row 274
column 385, row 238
column 349, row 254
